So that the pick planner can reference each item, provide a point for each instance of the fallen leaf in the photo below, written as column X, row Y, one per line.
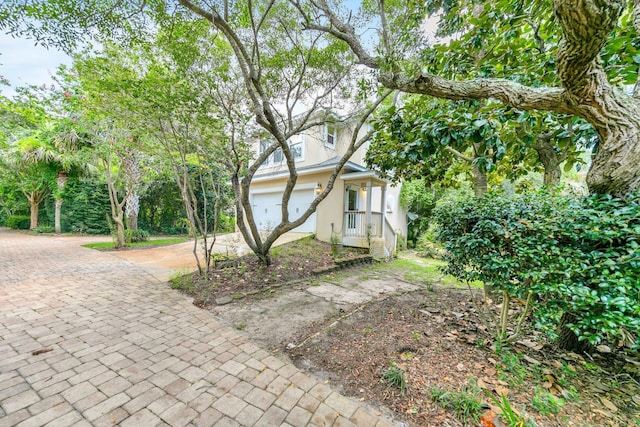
column 528, row 343
column 490, row 371
column 603, row 348
column 609, row 404
column 605, row 413
column 487, row 380
column 502, row 390
column 530, row 360
column 486, row 420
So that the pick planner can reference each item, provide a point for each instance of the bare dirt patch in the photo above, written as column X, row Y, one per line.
column 363, row 328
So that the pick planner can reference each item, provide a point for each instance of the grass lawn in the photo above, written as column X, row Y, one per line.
column 153, row 242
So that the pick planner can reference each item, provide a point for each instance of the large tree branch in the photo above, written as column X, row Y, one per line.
column 507, row 91
column 338, row 29
column 458, row 154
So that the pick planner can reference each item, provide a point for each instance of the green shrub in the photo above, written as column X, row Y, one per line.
column 19, row 222
column 576, row 255
column 428, row 246
column 44, row 229
column 226, row 224
column 85, row 206
column 135, row 236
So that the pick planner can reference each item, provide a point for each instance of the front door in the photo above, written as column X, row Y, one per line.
column 352, row 212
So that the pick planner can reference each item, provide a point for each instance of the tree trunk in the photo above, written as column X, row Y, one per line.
column 132, row 222
column 34, row 205
column 132, row 208
column 479, row 181
column 614, row 169
column 120, row 239
column 567, row 339
column 56, row 216
column 60, row 182
column 549, row 159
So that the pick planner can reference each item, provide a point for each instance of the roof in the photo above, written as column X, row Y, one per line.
column 327, row 165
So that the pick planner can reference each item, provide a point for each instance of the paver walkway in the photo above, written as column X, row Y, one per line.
column 127, row 350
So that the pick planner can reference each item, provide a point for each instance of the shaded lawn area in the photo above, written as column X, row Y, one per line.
column 152, row 243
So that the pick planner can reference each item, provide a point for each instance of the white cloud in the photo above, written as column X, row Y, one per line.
column 23, row 64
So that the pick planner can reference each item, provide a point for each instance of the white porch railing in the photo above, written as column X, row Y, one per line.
column 358, row 233
column 355, row 224
column 390, row 239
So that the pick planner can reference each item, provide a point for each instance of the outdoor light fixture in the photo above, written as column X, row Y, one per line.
column 318, row 188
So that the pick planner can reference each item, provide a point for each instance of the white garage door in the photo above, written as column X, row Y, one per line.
column 267, row 209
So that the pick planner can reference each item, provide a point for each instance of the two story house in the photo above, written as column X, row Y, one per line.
column 362, row 210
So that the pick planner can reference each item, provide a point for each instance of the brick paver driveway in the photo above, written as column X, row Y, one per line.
column 127, row 350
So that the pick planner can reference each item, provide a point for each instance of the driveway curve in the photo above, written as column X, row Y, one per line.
column 90, row 339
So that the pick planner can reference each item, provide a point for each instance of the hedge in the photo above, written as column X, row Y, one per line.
column 577, row 255
column 19, row 222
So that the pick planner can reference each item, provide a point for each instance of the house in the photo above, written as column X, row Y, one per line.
column 362, row 210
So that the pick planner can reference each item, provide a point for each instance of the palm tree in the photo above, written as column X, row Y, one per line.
column 69, row 152
column 31, row 171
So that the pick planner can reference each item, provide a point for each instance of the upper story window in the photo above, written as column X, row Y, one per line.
column 331, row 135
column 277, row 156
column 264, row 145
column 297, row 150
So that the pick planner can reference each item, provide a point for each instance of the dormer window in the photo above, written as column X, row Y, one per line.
column 330, row 135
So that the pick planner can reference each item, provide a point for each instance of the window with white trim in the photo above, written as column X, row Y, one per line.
column 297, row 150
column 330, row 135
column 277, row 156
column 264, row 146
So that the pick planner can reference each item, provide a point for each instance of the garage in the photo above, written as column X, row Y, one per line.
column 267, row 209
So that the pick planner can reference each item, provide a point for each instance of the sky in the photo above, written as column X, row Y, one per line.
column 23, row 64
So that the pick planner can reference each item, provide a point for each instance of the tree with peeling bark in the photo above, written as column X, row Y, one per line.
column 572, row 36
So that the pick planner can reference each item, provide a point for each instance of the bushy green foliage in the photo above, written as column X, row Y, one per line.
column 44, row 229
column 576, row 255
column 427, row 246
column 135, row 236
column 226, row 224
column 85, row 207
column 19, row 222
column 162, row 208
column 420, row 200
